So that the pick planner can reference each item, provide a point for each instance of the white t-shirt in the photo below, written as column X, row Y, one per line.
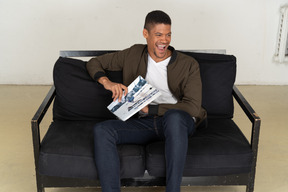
column 157, row 77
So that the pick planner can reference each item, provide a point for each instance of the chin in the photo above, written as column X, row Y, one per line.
column 160, row 56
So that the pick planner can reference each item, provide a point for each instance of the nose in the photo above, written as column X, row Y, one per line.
column 165, row 39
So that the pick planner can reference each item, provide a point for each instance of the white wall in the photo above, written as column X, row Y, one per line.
column 33, row 31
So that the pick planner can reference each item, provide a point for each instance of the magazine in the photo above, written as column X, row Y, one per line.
column 140, row 93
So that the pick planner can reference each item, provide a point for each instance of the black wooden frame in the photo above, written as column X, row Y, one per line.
column 43, row 181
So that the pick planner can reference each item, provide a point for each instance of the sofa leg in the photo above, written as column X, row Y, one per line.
column 249, row 188
column 250, row 185
column 40, row 189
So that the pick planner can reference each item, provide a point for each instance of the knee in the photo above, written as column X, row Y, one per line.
column 102, row 131
column 178, row 122
column 176, row 114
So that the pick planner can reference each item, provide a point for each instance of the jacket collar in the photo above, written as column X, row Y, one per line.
column 173, row 55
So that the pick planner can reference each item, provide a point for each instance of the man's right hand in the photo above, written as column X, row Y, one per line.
column 116, row 88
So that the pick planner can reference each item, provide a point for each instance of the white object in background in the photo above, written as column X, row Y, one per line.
column 281, row 54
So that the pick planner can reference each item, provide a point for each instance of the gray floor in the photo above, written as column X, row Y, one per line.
column 19, row 103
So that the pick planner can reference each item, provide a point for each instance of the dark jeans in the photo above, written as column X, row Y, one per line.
column 174, row 127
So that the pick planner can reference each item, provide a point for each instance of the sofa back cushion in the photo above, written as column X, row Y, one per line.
column 218, row 73
column 79, row 97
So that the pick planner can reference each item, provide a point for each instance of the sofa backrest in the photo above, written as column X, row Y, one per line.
column 218, row 73
column 79, row 97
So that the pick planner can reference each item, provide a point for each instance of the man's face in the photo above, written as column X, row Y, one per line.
column 158, row 39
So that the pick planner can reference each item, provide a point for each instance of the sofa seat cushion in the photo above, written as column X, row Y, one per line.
column 219, row 149
column 67, row 151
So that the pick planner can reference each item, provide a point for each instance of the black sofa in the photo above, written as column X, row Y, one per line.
column 218, row 154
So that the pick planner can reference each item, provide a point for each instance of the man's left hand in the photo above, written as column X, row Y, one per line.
column 145, row 109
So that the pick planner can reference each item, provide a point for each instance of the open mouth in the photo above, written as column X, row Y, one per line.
column 161, row 47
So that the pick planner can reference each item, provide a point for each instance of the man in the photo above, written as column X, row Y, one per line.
column 171, row 117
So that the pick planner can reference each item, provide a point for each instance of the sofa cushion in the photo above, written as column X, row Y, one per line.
column 67, row 151
column 218, row 73
column 78, row 96
column 219, row 150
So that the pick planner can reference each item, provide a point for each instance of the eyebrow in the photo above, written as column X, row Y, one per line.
column 162, row 33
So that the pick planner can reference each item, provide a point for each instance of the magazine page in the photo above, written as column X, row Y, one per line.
column 140, row 93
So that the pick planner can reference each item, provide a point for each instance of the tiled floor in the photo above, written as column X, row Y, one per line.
column 19, row 103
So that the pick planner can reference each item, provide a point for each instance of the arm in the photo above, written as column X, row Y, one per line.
column 114, row 61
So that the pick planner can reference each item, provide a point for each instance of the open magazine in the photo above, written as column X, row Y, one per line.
column 140, row 93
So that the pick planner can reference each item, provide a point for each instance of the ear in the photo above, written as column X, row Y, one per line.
column 145, row 33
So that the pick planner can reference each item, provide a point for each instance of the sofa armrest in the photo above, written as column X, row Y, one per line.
column 36, row 120
column 256, row 121
column 40, row 113
column 251, row 114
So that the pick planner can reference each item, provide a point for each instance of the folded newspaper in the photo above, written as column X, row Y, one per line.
column 140, row 93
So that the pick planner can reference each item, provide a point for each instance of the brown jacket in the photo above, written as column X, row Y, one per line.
column 182, row 72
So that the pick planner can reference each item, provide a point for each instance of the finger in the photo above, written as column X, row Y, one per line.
column 120, row 92
column 116, row 94
column 125, row 89
column 113, row 93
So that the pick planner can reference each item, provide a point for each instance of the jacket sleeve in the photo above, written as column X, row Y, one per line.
column 113, row 61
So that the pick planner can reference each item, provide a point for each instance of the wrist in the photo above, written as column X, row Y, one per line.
column 103, row 80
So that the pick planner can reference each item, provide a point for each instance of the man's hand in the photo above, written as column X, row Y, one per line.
column 145, row 109
column 116, row 88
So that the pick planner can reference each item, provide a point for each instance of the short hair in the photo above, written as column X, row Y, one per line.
column 156, row 17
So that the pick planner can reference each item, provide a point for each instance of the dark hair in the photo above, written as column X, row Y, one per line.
column 156, row 17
